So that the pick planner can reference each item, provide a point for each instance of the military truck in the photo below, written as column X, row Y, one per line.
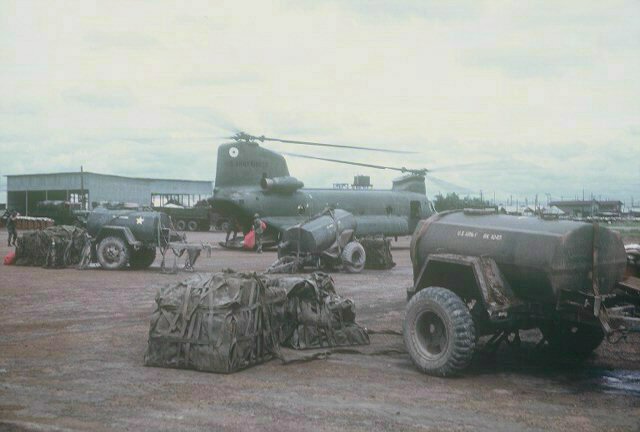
column 188, row 218
column 62, row 212
column 128, row 237
column 476, row 274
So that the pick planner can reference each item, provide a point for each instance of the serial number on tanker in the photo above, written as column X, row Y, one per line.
column 483, row 236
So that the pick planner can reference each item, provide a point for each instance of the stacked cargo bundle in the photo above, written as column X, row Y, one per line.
column 378, row 252
column 33, row 223
column 317, row 317
column 222, row 322
column 53, row 247
column 225, row 322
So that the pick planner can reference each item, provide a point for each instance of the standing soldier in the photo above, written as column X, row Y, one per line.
column 258, row 230
column 11, row 227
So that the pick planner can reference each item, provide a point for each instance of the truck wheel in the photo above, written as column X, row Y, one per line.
column 192, row 225
column 439, row 332
column 181, row 225
column 142, row 258
column 570, row 339
column 353, row 257
column 113, row 253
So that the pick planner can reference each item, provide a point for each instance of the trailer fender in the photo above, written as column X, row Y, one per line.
column 120, row 231
column 471, row 278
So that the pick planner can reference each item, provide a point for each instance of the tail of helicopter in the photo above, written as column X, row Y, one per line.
column 246, row 163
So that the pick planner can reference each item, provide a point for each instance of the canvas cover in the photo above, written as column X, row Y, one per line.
column 317, row 317
column 221, row 322
column 225, row 322
column 378, row 252
column 53, row 247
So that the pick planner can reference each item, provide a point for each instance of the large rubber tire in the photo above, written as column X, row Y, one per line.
column 573, row 339
column 143, row 258
column 181, row 225
column 192, row 225
column 353, row 257
column 113, row 253
column 438, row 331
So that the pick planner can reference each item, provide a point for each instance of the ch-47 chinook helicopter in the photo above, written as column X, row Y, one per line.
column 252, row 179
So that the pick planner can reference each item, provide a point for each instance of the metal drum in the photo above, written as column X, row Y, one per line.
column 320, row 233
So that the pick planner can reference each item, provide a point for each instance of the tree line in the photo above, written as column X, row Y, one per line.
column 453, row 202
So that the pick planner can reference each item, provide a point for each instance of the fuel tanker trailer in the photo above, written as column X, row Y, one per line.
column 326, row 241
column 477, row 273
column 128, row 237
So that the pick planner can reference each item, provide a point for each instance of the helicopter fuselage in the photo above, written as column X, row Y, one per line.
column 384, row 212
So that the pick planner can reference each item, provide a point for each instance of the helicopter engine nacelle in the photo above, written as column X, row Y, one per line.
column 284, row 185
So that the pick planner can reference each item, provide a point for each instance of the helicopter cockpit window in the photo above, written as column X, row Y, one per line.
column 301, row 209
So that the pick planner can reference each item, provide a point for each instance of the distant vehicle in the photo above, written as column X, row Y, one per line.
column 62, row 212
column 478, row 274
column 128, row 237
column 188, row 218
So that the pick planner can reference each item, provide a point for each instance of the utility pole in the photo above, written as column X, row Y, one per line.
column 82, row 187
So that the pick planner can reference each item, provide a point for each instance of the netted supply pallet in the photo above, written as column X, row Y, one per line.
column 378, row 252
column 53, row 247
column 225, row 322
column 317, row 317
column 222, row 322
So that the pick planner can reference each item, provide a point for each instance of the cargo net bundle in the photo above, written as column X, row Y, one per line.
column 225, row 322
column 317, row 317
column 53, row 247
column 378, row 253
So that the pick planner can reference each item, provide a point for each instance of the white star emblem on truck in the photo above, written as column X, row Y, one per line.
column 139, row 220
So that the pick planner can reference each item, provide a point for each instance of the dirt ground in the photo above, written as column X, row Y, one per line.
column 72, row 345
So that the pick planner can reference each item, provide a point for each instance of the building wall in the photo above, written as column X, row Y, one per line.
column 24, row 191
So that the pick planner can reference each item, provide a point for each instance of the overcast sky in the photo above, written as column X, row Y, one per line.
column 540, row 97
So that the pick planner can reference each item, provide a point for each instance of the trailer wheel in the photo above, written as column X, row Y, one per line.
column 113, row 253
column 181, row 225
column 353, row 257
column 438, row 331
column 142, row 258
column 571, row 339
column 192, row 225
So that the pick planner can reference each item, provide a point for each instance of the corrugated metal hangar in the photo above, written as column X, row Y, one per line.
column 26, row 190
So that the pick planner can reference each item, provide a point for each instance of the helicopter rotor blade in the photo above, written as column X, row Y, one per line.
column 422, row 171
column 262, row 138
column 208, row 116
column 448, row 186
